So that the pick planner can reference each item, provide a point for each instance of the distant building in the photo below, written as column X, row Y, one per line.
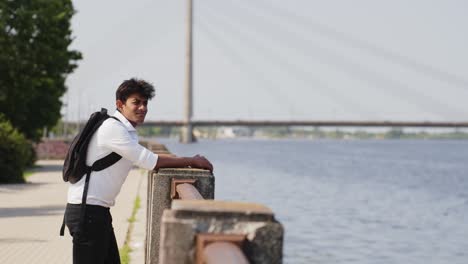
column 234, row 132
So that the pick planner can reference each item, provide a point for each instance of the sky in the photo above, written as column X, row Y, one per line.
column 277, row 60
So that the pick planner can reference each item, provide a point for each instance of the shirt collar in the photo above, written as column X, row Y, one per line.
column 124, row 121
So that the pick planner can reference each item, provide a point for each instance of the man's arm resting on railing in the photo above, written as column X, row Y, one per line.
column 169, row 161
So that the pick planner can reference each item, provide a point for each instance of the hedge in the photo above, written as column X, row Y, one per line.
column 16, row 153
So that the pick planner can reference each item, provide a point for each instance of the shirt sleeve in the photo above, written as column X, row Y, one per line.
column 116, row 137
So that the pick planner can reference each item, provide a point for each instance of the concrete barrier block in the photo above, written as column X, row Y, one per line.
column 160, row 200
column 157, row 148
column 181, row 224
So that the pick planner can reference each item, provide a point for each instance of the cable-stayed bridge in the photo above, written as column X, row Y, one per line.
column 216, row 23
column 271, row 62
column 200, row 123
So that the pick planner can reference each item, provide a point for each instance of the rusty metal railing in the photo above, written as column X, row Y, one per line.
column 211, row 248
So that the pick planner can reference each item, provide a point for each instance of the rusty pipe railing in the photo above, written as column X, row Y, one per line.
column 187, row 191
column 223, row 252
column 211, row 249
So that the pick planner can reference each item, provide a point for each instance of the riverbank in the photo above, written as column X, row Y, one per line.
column 308, row 133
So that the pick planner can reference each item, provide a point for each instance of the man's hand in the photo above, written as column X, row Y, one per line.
column 171, row 161
column 201, row 162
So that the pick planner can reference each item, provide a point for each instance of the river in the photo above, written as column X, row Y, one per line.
column 351, row 201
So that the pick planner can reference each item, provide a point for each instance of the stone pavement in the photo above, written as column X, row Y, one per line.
column 31, row 215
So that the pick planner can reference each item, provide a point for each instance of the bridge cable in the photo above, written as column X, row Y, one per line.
column 354, row 42
column 284, row 62
column 358, row 69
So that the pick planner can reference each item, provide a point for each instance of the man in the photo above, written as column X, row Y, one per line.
column 97, row 243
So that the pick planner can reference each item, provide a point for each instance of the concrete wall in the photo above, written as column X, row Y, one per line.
column 181, row 224
column 52, row 149
column 159, row 199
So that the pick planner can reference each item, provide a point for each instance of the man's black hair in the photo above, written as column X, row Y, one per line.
column 132, row 86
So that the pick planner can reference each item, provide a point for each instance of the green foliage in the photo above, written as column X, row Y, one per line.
column 276, row 132
column 337, row 134
column 125, row 251
column 125, row 254
column 32, row 155
column 136, row 206
column 15, row 153
column 34, row 61
column 394, row 133
column 147, row 131
column 27, row 174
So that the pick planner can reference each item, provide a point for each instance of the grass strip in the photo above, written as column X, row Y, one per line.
column 126, row 249
column 27, row 174
column 30, row 171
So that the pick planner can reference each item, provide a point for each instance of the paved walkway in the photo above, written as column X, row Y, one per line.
column 31, row 215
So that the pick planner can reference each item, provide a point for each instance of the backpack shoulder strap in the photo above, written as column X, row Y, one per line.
column 108, row 160
column 115, row 118
column 105, row 162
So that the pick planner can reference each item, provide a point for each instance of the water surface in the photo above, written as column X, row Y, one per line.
column 370, row 201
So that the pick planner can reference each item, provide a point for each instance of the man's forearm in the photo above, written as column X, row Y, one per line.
column 170, row 161
column 167, row 161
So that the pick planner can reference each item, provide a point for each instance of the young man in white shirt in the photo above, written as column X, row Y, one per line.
column 96, row 244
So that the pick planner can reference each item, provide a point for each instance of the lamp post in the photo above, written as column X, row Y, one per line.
column 187, row 135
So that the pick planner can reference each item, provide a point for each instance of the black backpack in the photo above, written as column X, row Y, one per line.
column 74, row 167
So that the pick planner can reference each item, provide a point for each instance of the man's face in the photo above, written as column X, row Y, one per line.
column 134, row 108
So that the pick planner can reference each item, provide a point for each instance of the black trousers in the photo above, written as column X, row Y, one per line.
column 93, row 242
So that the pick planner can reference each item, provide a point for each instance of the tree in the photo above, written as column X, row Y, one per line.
column 395, row 133
column 35, row 60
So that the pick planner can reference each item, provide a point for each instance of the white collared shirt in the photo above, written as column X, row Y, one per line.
column 104, row 186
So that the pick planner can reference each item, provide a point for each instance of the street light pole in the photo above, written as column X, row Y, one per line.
column 187, row 136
